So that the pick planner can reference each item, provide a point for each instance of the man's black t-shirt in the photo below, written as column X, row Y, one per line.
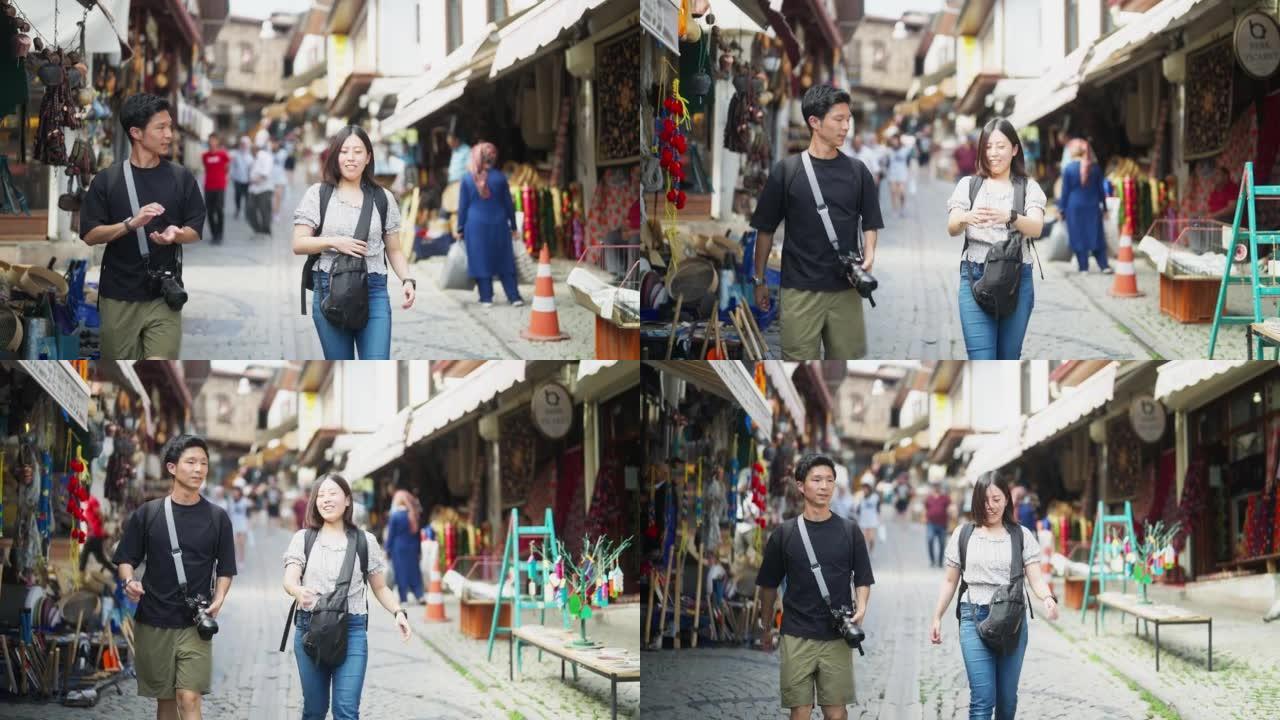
column 204, row 534
column 124, row 274
column 842, row 553
column 808, row 260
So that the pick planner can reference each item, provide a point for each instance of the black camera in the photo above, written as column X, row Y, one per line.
column 859, row 279
column 168, row 284
column 842, row 620
column 205, row 625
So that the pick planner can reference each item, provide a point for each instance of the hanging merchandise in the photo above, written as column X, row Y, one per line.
column 673, row 122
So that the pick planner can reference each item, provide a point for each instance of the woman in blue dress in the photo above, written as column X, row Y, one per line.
column 1082, row 205
column 403, row 547
column 487, row 224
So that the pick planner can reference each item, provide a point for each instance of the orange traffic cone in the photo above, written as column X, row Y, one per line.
column 544, row 322
column 435, row 600
column 1126, row 284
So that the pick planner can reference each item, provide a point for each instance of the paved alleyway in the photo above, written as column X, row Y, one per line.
column 903, row 675
column 244, row 304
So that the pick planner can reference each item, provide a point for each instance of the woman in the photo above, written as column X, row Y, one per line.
column 1083, row 204
column 989, row 221
column 1222, row 198
column 899, row 173
column 869, row 515
column 487, row 224
column 329, row 513
column 349, row 168
column 993, row 678
column 403, row 546
column 237, row 507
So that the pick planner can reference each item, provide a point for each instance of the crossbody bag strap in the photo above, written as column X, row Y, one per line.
column 1017, row 571
column 143, row 249
column 823, row 211
column 814, row 565
column 962, row 545
column 308, row 540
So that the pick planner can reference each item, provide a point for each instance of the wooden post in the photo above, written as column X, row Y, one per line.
column 666, row 596
column 678, row 599
column 648, row 615
column 697, row 607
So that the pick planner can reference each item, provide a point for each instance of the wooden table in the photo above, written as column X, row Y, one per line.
column 556, row 641
column 1151, row 613
column 1267, row 335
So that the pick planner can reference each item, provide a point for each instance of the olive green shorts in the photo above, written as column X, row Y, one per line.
column 824, row 666
column 139, row 330
column 815, row 321
column 170, row 659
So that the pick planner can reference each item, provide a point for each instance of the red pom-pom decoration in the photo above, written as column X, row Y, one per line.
column 671, row 195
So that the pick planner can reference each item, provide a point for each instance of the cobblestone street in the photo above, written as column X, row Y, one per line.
column 437, row 675
column 903, row 675
column 244, row 304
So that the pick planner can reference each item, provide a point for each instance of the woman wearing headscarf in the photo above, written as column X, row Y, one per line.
column 1082, row 204
column 403, row 546
column 487, row 224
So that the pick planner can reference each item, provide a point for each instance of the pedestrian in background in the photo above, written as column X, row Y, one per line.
column 217, row 164
column 899, row 173
column 936, row 516
column 261, row 186
column 487, row 224
column 1083, row 204
column 238, row 509
column 993, row 677
column 241, row 164
column 869, row 515
column 966, row 157
column 986, row 220
column 404, row 547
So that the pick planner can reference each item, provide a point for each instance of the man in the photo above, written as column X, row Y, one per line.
column 174, row 664
column 815, row 658
column 262, row 186
column 966, row 157
column 137, row 322
column 217, row 164
column 936, row 516
column 821, row 312
column 869, row 154
column 241, row 163
column 459, row 156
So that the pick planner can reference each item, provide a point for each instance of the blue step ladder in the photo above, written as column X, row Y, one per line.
column 519, row 570
column 1099, row 552
column 1261, row 287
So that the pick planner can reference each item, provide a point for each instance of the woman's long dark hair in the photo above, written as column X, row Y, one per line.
column 978, row 502
column 314, row 520
column 1017, row 168
column 332, row 174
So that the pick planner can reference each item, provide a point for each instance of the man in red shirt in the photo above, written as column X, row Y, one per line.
column 966, row 157
column 937, row 517
column 97, row 536
column 217, row 163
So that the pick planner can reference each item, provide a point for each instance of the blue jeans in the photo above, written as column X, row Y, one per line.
column 993, row 678
column 485, row 286
column 346, row 680
column 937, row 533
column 373, row 341
column 987, row 337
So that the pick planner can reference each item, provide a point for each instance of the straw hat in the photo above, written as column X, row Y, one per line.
column 36, row 281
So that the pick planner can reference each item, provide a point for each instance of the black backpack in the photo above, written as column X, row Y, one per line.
column 308, row 281
column 326, row 641
column 1002, row 629
column 996, row 292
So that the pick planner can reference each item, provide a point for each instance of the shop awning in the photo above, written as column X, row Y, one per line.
column 1188, row 384
column 976, row 94
column 602, row 379
column 537, row 31
column 1069, row 410
column 455, row 403
column 781, row 380
column 1057, row 86
column 730, row 380
column 1121, row 46
column 123, row 370
column 415, row 110
column 64, row 385
column 313, row 453
column 376, row 449
column 944, row 451
column 345, row 99
column 1001, row 450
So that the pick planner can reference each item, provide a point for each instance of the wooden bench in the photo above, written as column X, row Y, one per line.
column 1156, row 613
column 1268, row 335
column 1269, row 561
column 557, row 642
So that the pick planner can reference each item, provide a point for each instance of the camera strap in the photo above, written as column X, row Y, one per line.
column 823, row 211
column 174, row 549
column 814, row 565
column 143, row 248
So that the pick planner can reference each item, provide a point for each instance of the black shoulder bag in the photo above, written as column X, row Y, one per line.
column 308, row 279
column 1003, row 627
column 996, row 292
column 326, row 641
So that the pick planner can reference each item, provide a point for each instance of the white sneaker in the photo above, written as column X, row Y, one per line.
column 487, row 305
column 518, row 303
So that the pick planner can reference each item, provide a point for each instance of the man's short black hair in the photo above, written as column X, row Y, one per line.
column 179, row 444
column 818, row 101
column 137, row 111
column 811, row 460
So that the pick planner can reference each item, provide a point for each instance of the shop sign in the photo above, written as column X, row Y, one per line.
column 552, row 410
column 1257, row 44
column 661, row 18
column 1148, row 418
column 64, row 385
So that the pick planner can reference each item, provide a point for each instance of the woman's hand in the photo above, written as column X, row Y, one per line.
column 306, row 598
column 985, row 217
column 935, row 632
column 402, row 624
column 1051, row 608
column 348, row 246
column 410, row 293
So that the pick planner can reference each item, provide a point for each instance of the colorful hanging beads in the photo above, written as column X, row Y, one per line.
column 673, row 143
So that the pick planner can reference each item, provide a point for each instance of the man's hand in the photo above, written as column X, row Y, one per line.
column 767, row 640
column 762, row 296
column 868, row 259
column 166, row 237
column 134, row 590
column 214, row 608
column 149, row 212
column 857, row 617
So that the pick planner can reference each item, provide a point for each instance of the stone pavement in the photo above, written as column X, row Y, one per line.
column 903, row 675
column 419, row 680
column 917, row 313
column 245, row 305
